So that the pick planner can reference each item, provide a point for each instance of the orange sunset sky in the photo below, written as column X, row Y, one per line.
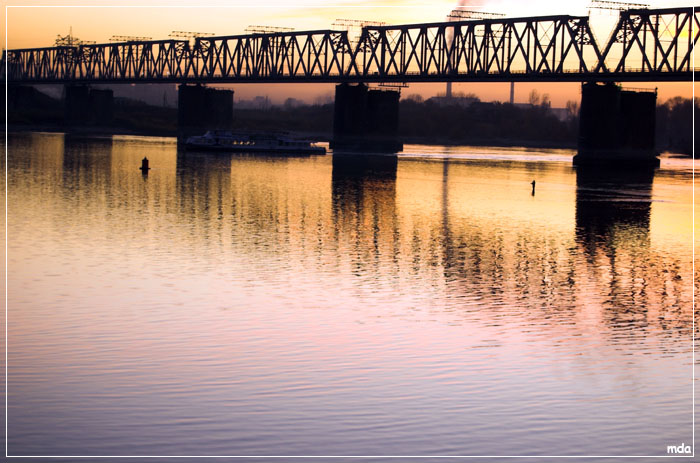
column 34, row 23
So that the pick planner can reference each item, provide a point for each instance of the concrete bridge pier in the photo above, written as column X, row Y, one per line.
column 200, row 109
column 616, row 127
column 89, row 106
column 19, row 96
column 76, row 104
column 365, row 120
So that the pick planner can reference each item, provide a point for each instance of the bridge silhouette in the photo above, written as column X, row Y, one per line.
column 645, row 45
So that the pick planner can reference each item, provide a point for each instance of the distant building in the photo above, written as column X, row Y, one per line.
column 562, row 114
column 290, row 103
column 259, row 102
column 153, row 94
column 462, row 101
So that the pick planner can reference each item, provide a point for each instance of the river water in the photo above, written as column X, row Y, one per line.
column 425, row 305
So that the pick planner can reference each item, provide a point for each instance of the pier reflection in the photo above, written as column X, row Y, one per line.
column 628, row 281
column 86, row 158
column 47, row 153
column 364, row 207
column 359, row 178
column 613, row 207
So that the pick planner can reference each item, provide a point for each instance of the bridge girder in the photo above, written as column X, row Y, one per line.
column 646, row 45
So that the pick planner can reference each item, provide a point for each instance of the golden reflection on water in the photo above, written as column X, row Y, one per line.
column 612, row 250
column 230, row 269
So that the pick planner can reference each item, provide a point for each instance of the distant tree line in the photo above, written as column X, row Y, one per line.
column 313, row 119
column 467, row 121
column 486, row 123
column 674, row 125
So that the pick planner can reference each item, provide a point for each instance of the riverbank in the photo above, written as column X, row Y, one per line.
column 87, row 130
column 316, row 136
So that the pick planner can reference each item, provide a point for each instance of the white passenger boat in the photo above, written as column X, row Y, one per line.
column 225, row 140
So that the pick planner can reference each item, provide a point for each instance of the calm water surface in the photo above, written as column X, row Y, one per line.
column 430, row 305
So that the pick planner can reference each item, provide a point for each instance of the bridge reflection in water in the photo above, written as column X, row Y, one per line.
column 326, row 306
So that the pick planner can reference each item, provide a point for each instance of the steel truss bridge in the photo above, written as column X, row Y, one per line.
column 645, row 45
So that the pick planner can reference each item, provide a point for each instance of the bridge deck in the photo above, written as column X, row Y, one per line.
column 646, row 45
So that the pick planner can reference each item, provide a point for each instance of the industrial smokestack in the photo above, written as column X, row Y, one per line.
column 512, row 92
column 450, row 33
